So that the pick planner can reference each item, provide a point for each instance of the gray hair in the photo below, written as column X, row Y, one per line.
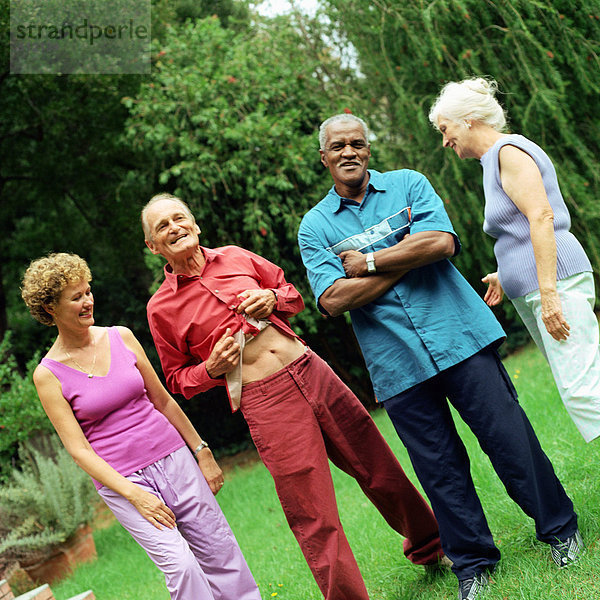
column 336, row 119
column 158, row 198
column 469, row 99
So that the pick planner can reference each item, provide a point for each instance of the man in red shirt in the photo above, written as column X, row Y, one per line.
column 220, row 317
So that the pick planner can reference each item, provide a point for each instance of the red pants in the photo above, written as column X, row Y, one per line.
column 298, row 417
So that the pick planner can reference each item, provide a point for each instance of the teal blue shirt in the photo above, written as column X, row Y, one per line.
column 431, row 319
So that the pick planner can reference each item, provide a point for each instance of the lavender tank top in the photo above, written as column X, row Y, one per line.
column 505, row 222
column 114, row 412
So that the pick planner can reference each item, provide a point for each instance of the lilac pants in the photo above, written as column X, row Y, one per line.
column 200, row 557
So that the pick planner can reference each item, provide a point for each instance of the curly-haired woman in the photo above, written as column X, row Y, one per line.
column 124, row 429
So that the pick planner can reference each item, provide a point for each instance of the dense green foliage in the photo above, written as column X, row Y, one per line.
column 228, row 120
column 545, row 56
column 22, row 414
column 45, row 501
column 236, row 137
column 63, row 187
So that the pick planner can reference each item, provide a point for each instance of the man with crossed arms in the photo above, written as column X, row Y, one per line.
column 377, row 245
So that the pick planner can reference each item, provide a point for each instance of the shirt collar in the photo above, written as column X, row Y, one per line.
column 173, row 280
column 335, row 202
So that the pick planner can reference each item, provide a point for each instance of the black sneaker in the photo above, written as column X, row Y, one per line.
column 567, row 552
column 474, row 587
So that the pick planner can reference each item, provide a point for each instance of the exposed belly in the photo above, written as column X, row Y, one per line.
column 267, row 353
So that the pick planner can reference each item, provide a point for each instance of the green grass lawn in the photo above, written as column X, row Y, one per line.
column 525, row 572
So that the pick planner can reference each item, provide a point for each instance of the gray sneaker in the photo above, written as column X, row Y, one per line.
column 567, row 552
column 474, row 587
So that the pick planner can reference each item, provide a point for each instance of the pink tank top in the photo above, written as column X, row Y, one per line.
column 114, row 412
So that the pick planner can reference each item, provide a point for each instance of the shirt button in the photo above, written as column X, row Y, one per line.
column 216, row 291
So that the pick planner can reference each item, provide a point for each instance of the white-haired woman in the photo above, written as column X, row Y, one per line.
column 542, row 267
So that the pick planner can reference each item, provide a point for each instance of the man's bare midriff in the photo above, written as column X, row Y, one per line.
column 268, row 353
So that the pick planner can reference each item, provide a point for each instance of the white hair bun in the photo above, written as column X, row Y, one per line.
column 470, row 99
column 481, row 85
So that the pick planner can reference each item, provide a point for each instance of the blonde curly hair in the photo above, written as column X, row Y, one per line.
column 46, row 278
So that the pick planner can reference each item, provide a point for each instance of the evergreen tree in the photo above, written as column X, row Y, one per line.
column 544, row 55
column 229, row 123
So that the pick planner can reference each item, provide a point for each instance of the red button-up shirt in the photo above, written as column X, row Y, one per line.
column 188, row 315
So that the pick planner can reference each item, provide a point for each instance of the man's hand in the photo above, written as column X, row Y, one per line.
column 257, row 303
column 224, row 357
column 211, row 470
column 354, row 263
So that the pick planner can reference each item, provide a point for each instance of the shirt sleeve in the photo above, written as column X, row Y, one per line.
column 323, row 267
column 183, row 373
column 289, row 300
column 427, row 209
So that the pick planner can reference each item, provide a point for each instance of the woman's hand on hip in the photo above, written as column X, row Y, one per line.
column 152, row 509
column 553, row 317
column 494, row 293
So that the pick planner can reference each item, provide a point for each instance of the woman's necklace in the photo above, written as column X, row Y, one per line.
column 90, row 373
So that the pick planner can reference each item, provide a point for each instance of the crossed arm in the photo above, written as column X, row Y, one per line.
column 360, row 287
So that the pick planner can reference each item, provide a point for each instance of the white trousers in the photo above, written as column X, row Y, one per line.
column 575, row 362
